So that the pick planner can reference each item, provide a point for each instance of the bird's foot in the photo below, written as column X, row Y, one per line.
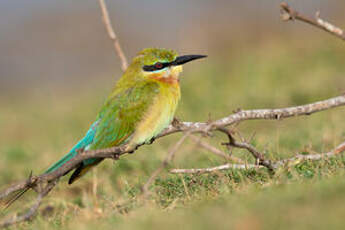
column 133, row 149
column 151, row 140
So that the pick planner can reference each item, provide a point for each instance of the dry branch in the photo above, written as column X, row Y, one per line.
column 32, row 210
column 112, row 35
column 214, row 150
column 259, row 157
column 256, row 114
column 313, row 157
column 214, row 169
column 288, row 13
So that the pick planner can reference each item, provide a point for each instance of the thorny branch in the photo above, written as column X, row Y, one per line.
column 44, row 183
column 259, row 157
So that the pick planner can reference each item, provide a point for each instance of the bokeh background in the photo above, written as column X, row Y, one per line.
column 57, row 65
column 48, row 43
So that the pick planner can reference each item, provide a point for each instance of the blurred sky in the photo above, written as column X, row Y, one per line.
column 46, row 43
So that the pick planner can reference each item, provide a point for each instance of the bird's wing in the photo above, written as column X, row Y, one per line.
column 117, row 121
column 121, row 113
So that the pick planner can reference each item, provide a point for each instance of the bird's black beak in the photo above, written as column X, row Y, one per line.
column 180, row 60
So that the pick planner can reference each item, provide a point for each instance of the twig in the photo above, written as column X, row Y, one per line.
column 288, row 13
column 313, row 157
column 164, row 164
column 214, row 150
column 18, row 186
column 217, row 168
column 112, row 35
column 33, row 209
column 259, row 157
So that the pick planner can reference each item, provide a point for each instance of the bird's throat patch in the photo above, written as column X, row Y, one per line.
column 171, row 79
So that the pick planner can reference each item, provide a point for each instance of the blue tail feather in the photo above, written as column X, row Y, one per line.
column 82, row 144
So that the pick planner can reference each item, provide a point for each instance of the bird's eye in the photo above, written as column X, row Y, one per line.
column 158, row 65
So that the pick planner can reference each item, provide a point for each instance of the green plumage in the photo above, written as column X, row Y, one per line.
column 122, row 112
column 141, row 105
column 130, row 100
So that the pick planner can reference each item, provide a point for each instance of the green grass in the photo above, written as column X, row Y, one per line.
column 37, row 129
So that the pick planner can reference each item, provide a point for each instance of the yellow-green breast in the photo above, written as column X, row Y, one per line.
column 159, row 115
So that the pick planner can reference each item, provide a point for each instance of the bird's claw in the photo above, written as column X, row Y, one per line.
column 151, row 140
column 133, row 150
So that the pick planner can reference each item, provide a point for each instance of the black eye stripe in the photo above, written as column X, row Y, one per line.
column 156, row 66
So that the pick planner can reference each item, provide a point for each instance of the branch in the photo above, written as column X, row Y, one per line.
column 288, row 13
column 313, row 157
column 257, row 114
column 112, row 35
column 33, row 209
column 213, row 169
column 214, row 150
column 259, row 157
column 297, row 159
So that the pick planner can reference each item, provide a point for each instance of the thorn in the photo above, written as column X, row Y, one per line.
column 317, row 14
column 252, row 137
column 176, row 122
column 237, row 110
column 209, row 120
column 30, row 175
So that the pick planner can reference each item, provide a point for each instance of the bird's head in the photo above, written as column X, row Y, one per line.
column 160, row 64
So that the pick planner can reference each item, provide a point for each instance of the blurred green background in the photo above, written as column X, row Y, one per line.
column 57, row 65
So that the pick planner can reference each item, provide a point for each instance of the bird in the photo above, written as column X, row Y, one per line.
column 141, row 105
